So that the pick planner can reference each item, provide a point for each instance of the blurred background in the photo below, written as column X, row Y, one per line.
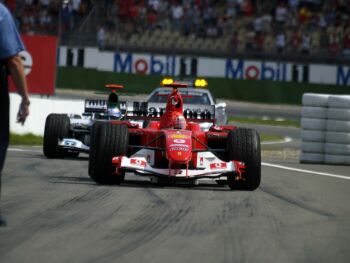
column 309, row 30
column 249, row 50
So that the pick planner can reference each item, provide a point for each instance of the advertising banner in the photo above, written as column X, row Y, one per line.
column 183, row 65
column 39, row 61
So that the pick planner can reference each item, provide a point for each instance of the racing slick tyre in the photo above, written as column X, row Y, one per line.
column 221, row 182
column 56, row 128
column 314, row 112
column 94, row 135
column 109, row 141
column 315, row 100
column 244, row 145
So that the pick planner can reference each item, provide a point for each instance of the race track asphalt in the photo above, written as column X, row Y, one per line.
column 56, row 213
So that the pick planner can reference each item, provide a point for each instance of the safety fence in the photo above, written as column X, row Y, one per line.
column 325, row 129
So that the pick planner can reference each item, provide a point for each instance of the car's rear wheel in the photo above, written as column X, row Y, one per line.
column 108, row 141
column 56, row 128
column 244, row 145
column 94, row 135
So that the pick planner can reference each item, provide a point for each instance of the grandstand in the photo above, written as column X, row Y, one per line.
column 306, row 30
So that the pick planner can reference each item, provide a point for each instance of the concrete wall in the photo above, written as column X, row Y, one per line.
column 39, row 109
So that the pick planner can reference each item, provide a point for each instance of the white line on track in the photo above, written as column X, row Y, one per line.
column 305, row 171
column 23, row 150
column 285, row 140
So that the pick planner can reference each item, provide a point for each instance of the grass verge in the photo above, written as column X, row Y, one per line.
column 270, row 138
column 286, row 123
column 26, row 139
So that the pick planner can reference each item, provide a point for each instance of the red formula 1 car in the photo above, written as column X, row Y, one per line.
column 173, row 147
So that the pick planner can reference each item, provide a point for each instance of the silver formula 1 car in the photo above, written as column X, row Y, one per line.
column 67, row 135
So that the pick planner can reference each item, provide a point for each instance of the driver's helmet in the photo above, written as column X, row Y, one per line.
column 113, row 113
column 180, row 122
column 175, row 102
column 113, row 98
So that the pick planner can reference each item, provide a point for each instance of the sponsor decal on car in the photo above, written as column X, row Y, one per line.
column 178, row 148
column 69, row 143
column 214, row 166
column 138, row 162
column 179, row 136
column 179, row 141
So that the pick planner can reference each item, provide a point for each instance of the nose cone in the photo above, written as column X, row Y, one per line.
column 178, row 146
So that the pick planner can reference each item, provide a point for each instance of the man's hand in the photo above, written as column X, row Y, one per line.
column 15, row 66
column 23, row 111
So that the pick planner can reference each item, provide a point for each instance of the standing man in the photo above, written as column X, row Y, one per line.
column 10, row 63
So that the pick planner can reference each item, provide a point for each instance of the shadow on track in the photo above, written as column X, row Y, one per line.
column 140, row 184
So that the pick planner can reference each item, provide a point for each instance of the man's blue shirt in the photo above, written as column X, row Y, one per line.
column 10, row 41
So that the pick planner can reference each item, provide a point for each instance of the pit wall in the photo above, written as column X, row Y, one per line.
column 40, row 108
column 325, row 129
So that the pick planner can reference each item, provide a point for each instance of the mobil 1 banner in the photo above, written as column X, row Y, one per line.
column 266, row 70
column 133, row 109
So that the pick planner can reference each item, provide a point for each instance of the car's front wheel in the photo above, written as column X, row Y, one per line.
column 107, row 141
column 244, row 145
column 56, row 128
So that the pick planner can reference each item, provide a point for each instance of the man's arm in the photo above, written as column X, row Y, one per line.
column 16, row 69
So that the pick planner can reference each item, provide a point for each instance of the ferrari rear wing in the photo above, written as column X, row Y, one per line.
column 151, row 110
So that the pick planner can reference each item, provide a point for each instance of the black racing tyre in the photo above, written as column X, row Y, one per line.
column 94, row 135
column 56, row 128
column 221, row 182
column 72, row 154
column 109, row 141
column 244, row 145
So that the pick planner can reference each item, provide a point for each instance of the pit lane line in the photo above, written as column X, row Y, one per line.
column 263, row 163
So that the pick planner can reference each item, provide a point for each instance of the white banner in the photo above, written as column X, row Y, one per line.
column 175, row 65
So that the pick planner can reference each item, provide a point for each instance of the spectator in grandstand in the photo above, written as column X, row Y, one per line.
column 280, row 42
column 334, row 40
column 293, row 5
column 10, row 46
column 101, row 37
column 346, row 40
column 258, row 24
column 295, row 40
column 234, row 42
column 177, row 13
column 188, row 20
column 66, row 18
column 281, row 13
column 305, row 43
column 249, row 39
column 259, row 42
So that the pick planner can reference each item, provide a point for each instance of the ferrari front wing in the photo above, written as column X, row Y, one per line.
column 215, row 169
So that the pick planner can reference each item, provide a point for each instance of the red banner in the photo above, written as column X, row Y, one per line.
column 39, row 61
